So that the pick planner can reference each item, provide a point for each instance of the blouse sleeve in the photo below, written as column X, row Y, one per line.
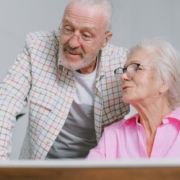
column 99, row 152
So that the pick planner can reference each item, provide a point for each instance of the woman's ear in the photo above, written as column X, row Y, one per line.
column 165, row 86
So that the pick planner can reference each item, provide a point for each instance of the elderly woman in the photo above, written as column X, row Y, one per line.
column 151, row 84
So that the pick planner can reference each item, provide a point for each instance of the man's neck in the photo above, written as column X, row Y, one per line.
column 88, row 69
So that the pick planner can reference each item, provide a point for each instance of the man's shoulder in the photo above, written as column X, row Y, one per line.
column 112, row 56
column 43, row 35
column 111, row 49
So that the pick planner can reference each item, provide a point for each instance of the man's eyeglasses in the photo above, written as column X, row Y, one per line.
column 130, row 70
column 83, row 38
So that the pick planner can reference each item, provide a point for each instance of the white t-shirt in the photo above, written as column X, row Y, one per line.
column 77, row 136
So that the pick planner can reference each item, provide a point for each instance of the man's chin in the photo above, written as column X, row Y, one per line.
column 76, row 64
column 73, row 66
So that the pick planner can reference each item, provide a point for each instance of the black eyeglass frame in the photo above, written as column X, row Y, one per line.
column 125, row 69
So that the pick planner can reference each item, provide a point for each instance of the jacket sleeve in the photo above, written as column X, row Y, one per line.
column 13, row 93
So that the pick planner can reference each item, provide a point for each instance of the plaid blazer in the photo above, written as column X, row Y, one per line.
column 37, row 78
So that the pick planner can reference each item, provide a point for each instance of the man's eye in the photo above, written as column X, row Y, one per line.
column 86, row 36
column 67, row 30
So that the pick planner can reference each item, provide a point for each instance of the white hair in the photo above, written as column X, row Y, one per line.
column 166, row 60
column 107, row 6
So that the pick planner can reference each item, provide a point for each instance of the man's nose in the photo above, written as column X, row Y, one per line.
column 74, row 41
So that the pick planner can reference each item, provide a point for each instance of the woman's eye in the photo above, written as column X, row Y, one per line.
column 139, row 68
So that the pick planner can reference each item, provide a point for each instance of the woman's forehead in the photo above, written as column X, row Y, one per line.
column 139, row 56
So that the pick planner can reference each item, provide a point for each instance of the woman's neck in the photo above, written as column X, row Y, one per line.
column 150, row 117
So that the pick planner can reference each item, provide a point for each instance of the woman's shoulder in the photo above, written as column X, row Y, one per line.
column 122, row 123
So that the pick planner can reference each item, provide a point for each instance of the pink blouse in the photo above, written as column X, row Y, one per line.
column 126, row 139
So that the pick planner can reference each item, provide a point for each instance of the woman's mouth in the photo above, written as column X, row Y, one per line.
column 125, row 88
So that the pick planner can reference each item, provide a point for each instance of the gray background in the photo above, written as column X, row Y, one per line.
column 133, row 20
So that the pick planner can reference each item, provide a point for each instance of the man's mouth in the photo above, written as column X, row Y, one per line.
column 73, row 53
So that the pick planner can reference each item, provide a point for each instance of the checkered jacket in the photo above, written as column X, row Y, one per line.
column 37, row 78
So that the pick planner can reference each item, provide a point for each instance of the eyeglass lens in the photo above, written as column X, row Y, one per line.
column 130, row 70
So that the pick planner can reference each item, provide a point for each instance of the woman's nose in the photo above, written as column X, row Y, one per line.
column 124, row 77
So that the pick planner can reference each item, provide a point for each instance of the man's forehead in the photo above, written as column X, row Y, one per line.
column 84, row 13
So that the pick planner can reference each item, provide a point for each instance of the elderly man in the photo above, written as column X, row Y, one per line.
column 68, row 78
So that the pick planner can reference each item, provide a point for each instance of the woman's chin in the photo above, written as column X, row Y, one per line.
column 126, row 99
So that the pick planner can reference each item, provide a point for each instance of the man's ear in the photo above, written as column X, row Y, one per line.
column 106, row 40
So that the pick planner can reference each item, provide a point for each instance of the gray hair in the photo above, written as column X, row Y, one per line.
column 106, row 4
column 167, row 64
